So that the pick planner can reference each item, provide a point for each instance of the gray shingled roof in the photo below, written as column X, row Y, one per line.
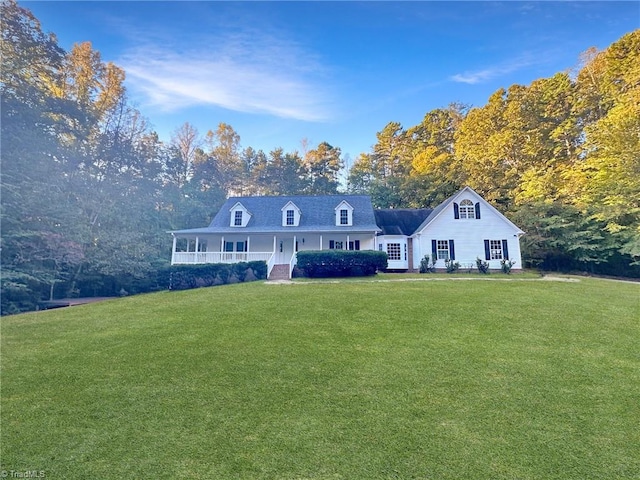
column 317, row 213
column 401, row 221
column 436, row 211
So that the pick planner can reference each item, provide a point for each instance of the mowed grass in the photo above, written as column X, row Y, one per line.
column 453, row 379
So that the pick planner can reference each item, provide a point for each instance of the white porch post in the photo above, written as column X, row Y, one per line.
column 195, row 255
column 173, row 252
column 320, row 242
column 222, row 244
column 274, row 244
column 248, row 244
column 293, row 255
column 347, row 242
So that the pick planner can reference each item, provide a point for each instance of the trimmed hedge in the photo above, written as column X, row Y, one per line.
column 184, row 277
column 341, row 263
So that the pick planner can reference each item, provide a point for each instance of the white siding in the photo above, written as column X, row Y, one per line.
column 469, row 235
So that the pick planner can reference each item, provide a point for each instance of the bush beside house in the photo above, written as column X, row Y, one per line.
column 341, row 263
column 183, row 277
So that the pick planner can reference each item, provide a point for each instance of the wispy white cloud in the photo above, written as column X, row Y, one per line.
column 240, row 72
column 495, row 71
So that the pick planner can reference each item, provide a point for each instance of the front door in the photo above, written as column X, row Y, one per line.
column 284, row 250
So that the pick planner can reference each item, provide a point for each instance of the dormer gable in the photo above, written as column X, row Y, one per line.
column 344, row 214
column 240, row 216
column 290, row 215
column 465, row 205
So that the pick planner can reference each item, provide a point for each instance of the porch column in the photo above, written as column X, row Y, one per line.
column 195, row 255
column 173, row 252
column 347, row 242
column 320, row 242
column 222, row 244
column 247, row 249
column 274, row 244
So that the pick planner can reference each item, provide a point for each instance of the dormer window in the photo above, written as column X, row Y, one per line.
column 466, row 210
column 344, row 215
column 290, row 215
column 240, row 216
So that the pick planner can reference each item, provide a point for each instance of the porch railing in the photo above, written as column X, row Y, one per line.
column 292, row 263
column 179, row 258
column 270, row 263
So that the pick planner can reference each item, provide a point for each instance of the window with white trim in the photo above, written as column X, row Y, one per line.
column 495, row 249
column 344, row 217
column 393, row 251
column 344, row 214
column 239, row 216
column 290, row 217
column 467, row 209
column 442, row 249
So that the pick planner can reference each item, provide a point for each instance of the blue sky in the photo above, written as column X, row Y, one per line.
column 280, row 72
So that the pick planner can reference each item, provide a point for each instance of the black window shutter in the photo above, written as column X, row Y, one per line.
column 434, row 250
column 332, row 244
column 456, row 211
column 505, row 250
column 478, row 211
column 452, row 252
column 487, row 250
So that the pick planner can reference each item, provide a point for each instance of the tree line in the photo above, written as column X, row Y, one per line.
column 89, row 190
column 561, row 157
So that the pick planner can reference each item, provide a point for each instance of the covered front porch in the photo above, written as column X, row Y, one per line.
column 274, row 249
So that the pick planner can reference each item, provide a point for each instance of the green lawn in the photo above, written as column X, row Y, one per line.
column 451, row 379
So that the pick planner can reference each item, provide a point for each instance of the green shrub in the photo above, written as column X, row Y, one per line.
column 483, row 267
column 341, row 263
column 428, row 264
column 451, row 266
column 183, row 277
column 506, row 265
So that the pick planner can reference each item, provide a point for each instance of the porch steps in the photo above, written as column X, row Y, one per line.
column 279, row 272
